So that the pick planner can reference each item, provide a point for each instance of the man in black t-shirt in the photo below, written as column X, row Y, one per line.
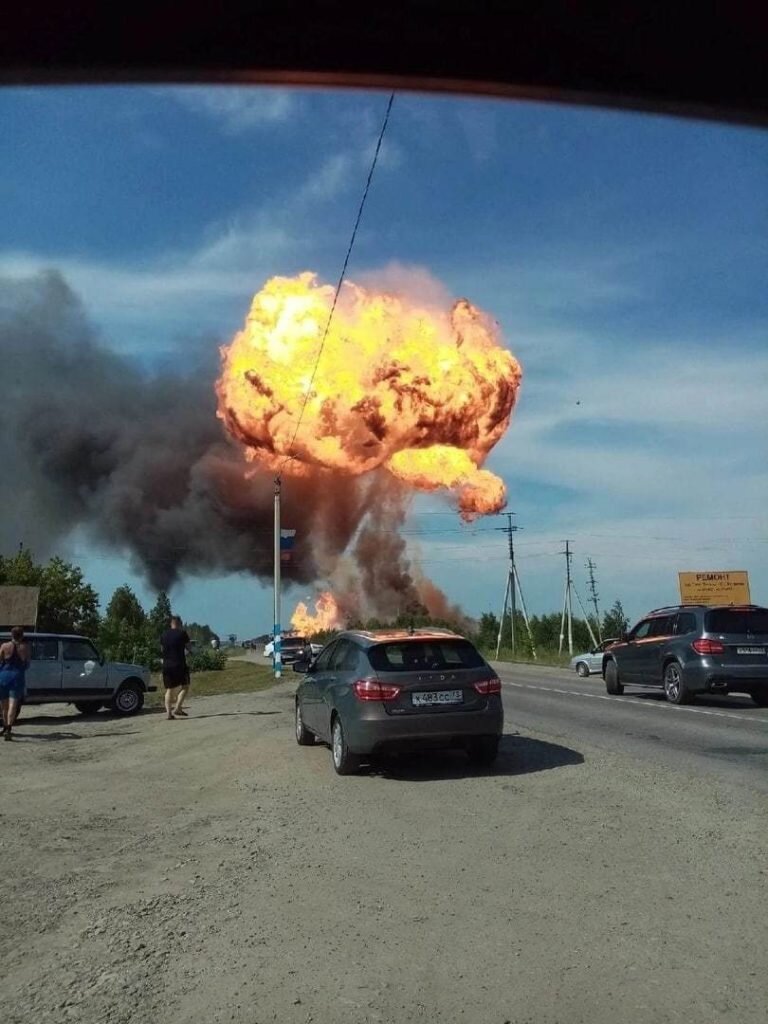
column 174, row 643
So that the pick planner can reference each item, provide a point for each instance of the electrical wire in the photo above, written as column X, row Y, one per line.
column 308, row 391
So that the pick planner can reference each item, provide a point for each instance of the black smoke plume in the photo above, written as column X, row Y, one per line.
column 140, row 462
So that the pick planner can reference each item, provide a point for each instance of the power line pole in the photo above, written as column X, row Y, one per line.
column 567, row 600
column 512, row 589
column 276, row 632
column 593, row 596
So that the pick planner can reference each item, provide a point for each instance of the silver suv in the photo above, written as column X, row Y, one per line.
column 692, row 649
column 67, row 669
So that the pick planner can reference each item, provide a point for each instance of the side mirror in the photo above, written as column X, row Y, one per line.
column 301, row 666
column 624, row 637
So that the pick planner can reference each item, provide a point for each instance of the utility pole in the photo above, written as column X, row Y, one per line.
column 567, row 600
column 512, row 589
column 593, row 596
column 276, row 632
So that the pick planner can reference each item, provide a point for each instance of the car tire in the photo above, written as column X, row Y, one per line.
column 344, row 762
column 88, row 707
column 483, row 752
column 129, row 699
column 612, row 683
column 674, row 686
column 304, row 737
column 760, row 697
column 582, row 670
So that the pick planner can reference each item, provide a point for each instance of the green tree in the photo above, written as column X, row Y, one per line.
column 124, row 606
column 67, row 603
column 203, row 634
column 123, row 633
column 487, row 631
column 159, row 617
column 20, row 570
column 615, row 621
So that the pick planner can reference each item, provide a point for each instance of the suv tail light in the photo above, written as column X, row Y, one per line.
column 488, row 686
column 705, row 646
column 372, row 689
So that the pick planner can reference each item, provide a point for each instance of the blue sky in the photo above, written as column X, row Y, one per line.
column 624, row 256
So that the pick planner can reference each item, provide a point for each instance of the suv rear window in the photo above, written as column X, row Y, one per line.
column 424, row 655
column 737, row 620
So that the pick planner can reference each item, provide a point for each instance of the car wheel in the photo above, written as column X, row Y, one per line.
column 88, row 707
column 760, row 697
column 674, row 687
column 344, row 762
column 612, row 683
column 128, row 700
column 304, row 737
column 483, row 751
column 582, row 670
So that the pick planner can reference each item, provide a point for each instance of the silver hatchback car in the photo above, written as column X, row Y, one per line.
column 375, row 692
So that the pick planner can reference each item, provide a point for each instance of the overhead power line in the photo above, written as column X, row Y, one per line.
column 351, row 245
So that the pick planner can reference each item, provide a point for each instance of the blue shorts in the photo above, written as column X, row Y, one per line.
column 11, row 687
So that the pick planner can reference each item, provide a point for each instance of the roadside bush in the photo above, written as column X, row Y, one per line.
column 207, row 660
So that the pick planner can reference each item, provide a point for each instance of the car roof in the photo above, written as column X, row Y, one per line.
column 369, row 637
column 669, row 609
column 47, row 636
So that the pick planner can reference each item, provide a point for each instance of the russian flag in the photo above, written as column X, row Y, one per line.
column 287, row 538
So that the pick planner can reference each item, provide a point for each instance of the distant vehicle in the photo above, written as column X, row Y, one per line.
column 292, row 648
column 693, row 649
column 67, row 669
column 374, row 692
column 591, row 661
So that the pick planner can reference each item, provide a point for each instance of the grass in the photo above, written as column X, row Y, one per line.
column 237, row 677
column 543, row 657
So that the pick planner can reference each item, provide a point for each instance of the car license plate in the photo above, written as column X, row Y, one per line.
column 421, row 700
column 750, row 650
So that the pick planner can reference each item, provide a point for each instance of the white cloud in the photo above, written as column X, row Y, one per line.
column 237, row 109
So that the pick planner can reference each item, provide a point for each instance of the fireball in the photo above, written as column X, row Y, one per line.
column 422, row 392
column 327, row 616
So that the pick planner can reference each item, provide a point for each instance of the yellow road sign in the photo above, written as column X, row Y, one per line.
column 730, row 587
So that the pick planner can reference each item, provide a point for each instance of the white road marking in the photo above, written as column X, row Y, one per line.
column 639, row 703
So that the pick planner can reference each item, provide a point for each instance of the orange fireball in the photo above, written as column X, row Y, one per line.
column 420, row 391
column 327, row 616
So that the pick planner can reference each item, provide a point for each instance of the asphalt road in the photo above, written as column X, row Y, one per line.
column 609, row 867
column 724, row 737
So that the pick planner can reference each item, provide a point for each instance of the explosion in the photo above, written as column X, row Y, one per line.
column 327, row 616
column 422, row 392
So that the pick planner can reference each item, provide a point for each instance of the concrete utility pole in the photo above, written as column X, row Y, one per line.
column 567, row 600
column 593, row 596
column 512, row 589
column 276, row 632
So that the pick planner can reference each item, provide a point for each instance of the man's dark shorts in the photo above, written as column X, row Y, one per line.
column 175, row 675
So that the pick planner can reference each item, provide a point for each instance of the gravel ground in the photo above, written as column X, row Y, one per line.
column 211, row 870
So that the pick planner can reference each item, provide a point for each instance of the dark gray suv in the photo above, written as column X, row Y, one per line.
column 692, row 649
column 374, row 692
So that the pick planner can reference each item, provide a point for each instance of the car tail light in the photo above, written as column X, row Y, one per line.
column 488, row 686
column 705, row 646
column 372, row 689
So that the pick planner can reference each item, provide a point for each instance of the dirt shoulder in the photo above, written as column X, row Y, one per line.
column 211, row 870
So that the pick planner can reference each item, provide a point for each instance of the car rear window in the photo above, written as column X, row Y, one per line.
column 735, row 620
column 424, row 655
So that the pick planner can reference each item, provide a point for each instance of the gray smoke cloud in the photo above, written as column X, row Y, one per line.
column 139, row 460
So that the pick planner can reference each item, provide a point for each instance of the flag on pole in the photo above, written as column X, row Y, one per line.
column 287, row 538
